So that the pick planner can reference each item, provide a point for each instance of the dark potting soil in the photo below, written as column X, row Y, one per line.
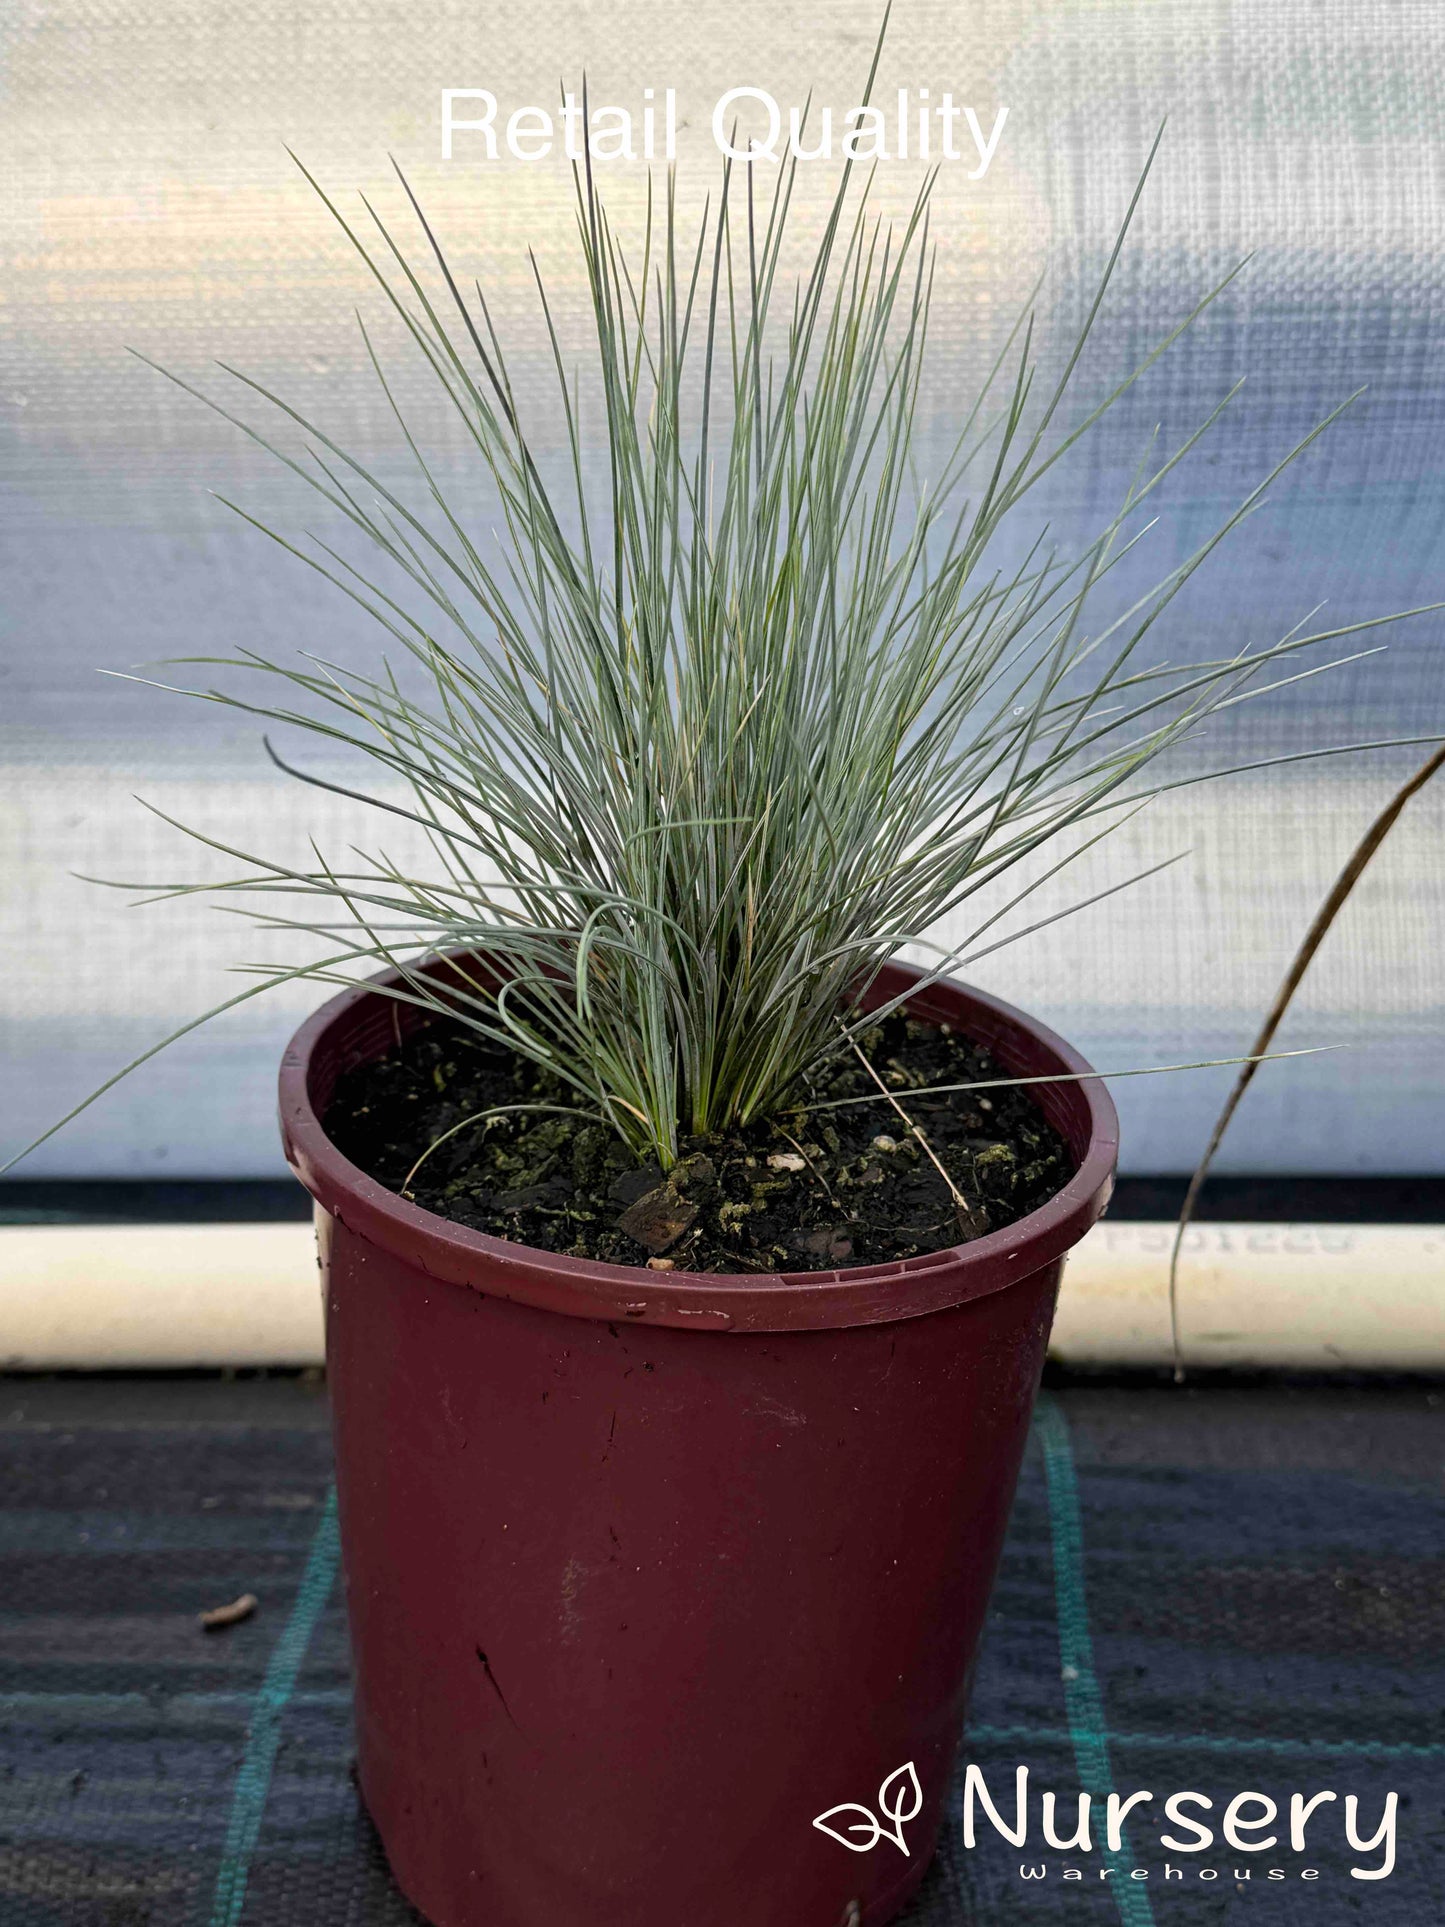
column 811, row 1190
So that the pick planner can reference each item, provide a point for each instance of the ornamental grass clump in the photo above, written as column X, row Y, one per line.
column 696, row 753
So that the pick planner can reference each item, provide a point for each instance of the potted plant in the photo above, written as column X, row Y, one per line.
column 688, row 1258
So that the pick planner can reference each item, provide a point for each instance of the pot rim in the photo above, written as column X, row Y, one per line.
column 724, row 1301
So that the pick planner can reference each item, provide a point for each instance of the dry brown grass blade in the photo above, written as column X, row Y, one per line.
column 1304, row 956
column 959, row 1200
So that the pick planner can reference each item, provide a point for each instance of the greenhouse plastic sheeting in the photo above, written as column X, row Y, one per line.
column 149, row 203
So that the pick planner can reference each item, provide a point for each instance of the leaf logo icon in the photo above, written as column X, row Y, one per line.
column 865, row 1821
column 900, row 1799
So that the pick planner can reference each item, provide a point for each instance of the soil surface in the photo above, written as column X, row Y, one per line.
column 811, row 1190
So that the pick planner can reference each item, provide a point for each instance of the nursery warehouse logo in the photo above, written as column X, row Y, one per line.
column 747, row 123
column 1250, row 1823
column 900, row 1799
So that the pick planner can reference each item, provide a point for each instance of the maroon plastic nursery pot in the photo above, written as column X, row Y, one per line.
column 646, row 1571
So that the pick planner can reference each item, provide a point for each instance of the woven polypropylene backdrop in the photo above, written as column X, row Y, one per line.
column 1217, row 1591
column 148, row 202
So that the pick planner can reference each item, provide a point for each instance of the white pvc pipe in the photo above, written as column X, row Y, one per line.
column 123, row 1297
column 1311, row 1297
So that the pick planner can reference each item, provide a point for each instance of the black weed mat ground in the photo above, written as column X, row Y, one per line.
column 1216, row 1590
